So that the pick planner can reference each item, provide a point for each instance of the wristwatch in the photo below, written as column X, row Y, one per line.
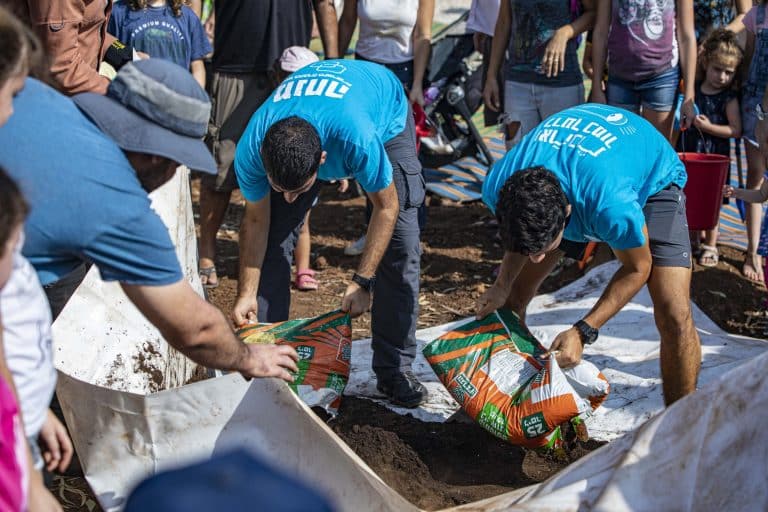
column 366, row 283
column 761, row 114
column 587, row 332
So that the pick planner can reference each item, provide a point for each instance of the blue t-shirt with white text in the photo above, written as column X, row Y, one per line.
column 87, row 205
column 355, row 107
column 158, row 33
column 609, row 162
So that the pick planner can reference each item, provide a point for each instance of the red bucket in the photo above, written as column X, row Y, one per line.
column 704, row 190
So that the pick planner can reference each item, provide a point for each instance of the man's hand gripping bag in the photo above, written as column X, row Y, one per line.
column 494, row 368
column 324, row 347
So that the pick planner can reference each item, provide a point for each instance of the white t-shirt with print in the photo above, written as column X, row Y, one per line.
column 27, row 339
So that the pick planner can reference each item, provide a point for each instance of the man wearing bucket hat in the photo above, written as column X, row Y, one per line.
column 598, row 173
column 328, row 121
column 86, row 165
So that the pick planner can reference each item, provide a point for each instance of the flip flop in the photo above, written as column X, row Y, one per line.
column 207, row 272
column 305, row 280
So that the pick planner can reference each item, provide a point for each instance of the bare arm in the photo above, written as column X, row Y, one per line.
column 497, row 295
column 422, row 38
column 737, row 23
column 626, row 282
column 747, row 194
column 325, row 10
column 198, row 71
column 498, row 47
column 200, row 331
column 686, row 40
column 386, row 208
column 347, row 26
column 600, row 48
column 725, row 131
column 554, row 54
column 254, row 231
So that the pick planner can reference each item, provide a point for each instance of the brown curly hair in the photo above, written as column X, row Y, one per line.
column 175, row 5
column 721, row 44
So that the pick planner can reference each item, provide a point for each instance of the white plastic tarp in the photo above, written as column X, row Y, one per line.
column 627, row 352
column 123, row 431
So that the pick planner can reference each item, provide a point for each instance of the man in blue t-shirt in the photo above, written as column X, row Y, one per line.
column 86, row 165
column 328, row 121
column 598, row 173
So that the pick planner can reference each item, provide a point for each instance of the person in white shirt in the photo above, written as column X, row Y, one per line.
column 397, row 35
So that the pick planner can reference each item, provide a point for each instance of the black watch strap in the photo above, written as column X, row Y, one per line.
column 587, row 332
column 366, row 283
column 118, row 55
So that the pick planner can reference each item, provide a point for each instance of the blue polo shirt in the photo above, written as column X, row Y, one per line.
column 609, row 162
column 355, row 106
column 87, row 204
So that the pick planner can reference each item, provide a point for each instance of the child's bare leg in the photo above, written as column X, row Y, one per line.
column 753, row 268
column 662, row 121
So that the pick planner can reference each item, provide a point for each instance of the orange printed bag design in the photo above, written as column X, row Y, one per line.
column 494, row 368
column 324, row 347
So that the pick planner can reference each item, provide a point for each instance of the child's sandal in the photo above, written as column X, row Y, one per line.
column 305, row 280
column 709, row 256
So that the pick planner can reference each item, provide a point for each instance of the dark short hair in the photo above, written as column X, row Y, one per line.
column 13, row 208
column 291, row 152
column 531, row 210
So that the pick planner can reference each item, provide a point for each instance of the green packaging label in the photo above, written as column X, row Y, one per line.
column 494, row 421
column 336, row 382
column 534, row 425
column 464, row 388
column 345, row 352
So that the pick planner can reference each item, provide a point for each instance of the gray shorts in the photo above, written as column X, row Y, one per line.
column 667, row 225
column 234, row 99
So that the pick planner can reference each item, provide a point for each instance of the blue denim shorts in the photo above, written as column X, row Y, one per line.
column 657, row 93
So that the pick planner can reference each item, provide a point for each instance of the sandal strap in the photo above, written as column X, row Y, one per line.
column 206, row 271
column 306, row 272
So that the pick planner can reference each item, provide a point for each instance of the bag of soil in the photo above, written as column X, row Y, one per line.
column 494, row 368
column 324, row 346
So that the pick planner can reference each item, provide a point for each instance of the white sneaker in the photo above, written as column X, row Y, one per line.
column 437, row 145
column 356, row 247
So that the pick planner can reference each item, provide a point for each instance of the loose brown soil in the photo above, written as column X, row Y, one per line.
column 439, row 465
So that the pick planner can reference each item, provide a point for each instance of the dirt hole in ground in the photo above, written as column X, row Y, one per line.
column 439, row 465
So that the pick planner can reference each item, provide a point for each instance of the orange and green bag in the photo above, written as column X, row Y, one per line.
column 324, row 346
column 495, row 370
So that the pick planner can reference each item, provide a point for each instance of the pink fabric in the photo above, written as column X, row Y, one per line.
column 296, row 57
column 13, row 467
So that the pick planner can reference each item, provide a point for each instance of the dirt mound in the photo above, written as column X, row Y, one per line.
column 438, row 465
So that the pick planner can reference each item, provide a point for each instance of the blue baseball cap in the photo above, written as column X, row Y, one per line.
column 156, row 107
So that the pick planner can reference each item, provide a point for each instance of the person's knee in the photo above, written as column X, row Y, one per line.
column 675, row 323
